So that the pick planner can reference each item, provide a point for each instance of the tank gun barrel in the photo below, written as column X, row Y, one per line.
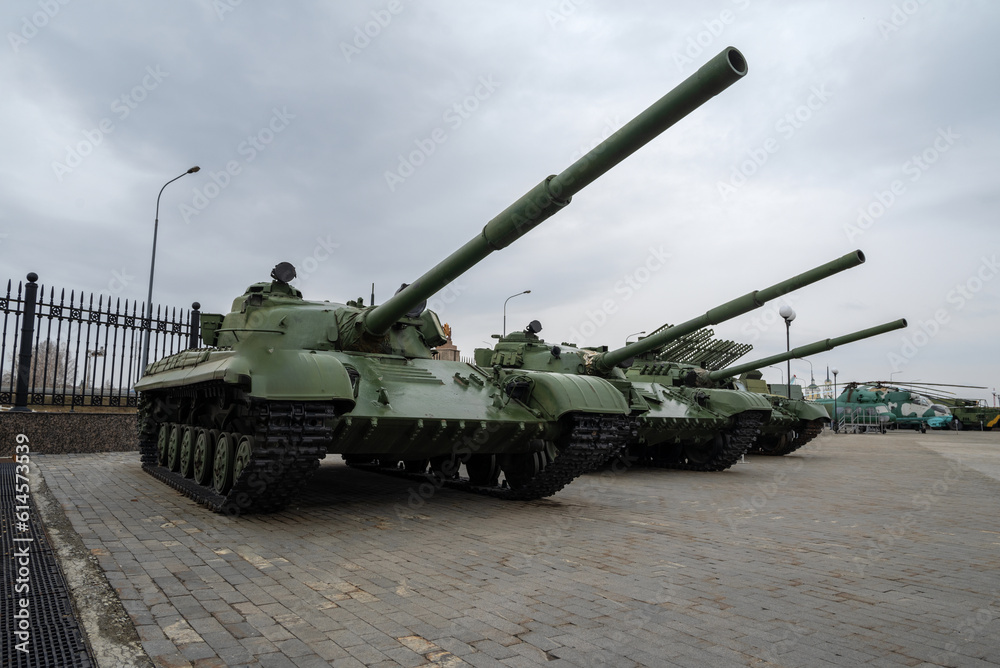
column 604, row 362
column 555, row 192
column 807, row 350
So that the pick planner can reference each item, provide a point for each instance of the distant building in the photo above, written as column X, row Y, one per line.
column 447, row 351
column 828, row 386
column 813, row 391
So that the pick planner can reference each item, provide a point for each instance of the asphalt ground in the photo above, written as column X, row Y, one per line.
column 857, row 550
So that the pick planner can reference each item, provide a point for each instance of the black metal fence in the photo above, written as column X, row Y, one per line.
column 77, row 353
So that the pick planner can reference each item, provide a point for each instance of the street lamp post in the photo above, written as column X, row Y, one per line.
column 86, row 364
column 633, row 334
column 788, row 314
column 780, row 372
column 835, row 422
column 152, row 263
column 505, row 308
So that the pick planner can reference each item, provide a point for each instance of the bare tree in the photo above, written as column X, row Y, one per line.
column 52, row 366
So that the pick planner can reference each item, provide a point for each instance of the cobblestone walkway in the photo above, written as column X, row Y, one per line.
column 878, row 550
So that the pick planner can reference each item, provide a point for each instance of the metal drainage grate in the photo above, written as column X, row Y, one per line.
column 55, row 638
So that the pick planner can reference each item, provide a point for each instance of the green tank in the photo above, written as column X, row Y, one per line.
column 240, row 424
column 793, row 421
column 679, row 425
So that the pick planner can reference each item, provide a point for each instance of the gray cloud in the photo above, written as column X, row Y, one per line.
column 352, row 104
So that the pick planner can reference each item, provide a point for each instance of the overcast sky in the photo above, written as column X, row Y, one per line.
column 364, row 142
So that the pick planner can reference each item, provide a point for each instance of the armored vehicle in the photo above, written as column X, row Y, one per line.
column 970, row 413
column 679, row 425
column 793, row 421
column 239, row 425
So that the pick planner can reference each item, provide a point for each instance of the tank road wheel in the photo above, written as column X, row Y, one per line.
column 162, row 439
column 483, row 470
column 174, row 449
column 204, row 456
column 416, row 465
column 187, row 451
column 445, row 467
column 671, row 453
column 244, row 452
column 702, row 453
column 222, row 468
column 771, row 445
column 519, row 469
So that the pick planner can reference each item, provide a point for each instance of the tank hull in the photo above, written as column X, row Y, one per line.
column 694, row 428
column 793, row 423
column 424, row 416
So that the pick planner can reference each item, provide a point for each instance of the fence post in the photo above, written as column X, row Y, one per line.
column 27, row 331
column 195, row 325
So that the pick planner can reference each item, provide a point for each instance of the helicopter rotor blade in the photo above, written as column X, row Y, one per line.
column 920, row 384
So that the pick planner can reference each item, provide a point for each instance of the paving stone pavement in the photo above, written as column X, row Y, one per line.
column 876, row 550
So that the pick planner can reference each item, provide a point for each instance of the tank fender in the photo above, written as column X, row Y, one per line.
column 280, row 375
column 556, row 394
column 187, row 367
column 295, row 375
column 735, row 401
column 805, row 410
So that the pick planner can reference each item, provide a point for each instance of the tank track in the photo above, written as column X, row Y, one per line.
column 289, row 441
column 593, row 440
column 741, row 438
column 812, row 429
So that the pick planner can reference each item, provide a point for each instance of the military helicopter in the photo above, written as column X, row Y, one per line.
column 879, row 404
